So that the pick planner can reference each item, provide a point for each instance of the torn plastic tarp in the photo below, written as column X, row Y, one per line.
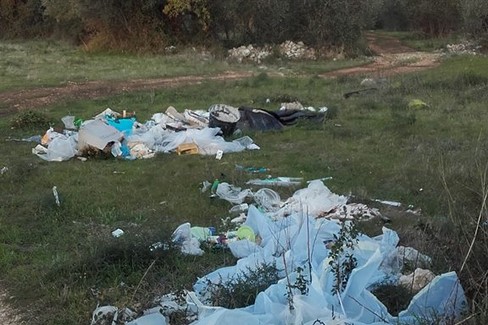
column 300, row 241
column 287, row 243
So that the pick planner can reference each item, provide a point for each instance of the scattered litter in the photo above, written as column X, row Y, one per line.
column 417, row 104
column 56, row 196
column 188, row 244
column 239, row 208
column 286, row 240
column 219, row 154
column 416, row 280
column 246, row 232
column 69, row 122
column 391, row 203
column 276, row 181
column 150, row 319
column 360, row 91
column 187, row 149
column 34, row 138
column 117, row 233
column 3, row 170
column 413, row 257
column 253, row 170
column 158, row 245
column 240, row 219
column 322, row 179
column 205, row 186
column 82, row 158
column 267, row 199
column 97, row 134
column 103, row 315
column 224, row 117
column 232, row 193
column 286, row 243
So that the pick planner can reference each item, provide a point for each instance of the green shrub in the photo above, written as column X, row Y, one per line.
column 30, row 119
column 242, row 290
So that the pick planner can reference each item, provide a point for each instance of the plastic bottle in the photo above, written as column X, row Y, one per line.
column 239, row 208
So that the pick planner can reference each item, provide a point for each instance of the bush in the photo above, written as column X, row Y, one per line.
column 242, row 290
column 30, row 119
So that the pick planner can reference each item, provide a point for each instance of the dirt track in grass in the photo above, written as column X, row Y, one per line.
column 391, row 57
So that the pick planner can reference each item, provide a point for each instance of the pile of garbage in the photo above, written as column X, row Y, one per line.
column 187, row 132
column 310, row 252
column 287, row 49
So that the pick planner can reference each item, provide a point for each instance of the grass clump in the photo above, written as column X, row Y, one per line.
column 242, row 289
column 30, row 119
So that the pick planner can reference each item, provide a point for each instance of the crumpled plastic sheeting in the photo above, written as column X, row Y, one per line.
column 207, row 140
column 60, row 148
column 289, row 243
column 313, row 200
column 232, row 193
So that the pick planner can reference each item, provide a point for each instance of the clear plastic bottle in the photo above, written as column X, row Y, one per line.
column 239, row 208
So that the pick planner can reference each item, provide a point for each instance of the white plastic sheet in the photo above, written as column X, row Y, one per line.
column 60, row 148
column 298, row 239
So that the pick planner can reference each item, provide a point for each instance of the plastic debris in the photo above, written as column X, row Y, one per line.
column 97, row 134
column 276, row 181
column 188, row 132
column 69, row 122
column 56, row 196
column 391, row 203
column 150, row 319
column 239, row 208
column 416, row 280
column 117, row 233
column 417, row 104
column 3, row 170
column 219, row 154
column 232, row 193
column 298, row 240
column 414, row 257
column 253, row 170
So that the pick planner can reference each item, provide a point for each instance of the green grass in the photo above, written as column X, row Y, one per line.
column 40, row 63
column 422, row 42
column 62, row 261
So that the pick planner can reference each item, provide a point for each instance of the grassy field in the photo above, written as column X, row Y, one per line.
column 58, row 263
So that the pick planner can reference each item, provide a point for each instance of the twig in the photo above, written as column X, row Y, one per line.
column 371, row 311
column 480, row 216
column 142, row 279
column 466, row 319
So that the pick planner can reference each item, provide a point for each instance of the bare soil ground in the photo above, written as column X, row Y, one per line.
column 391, row 58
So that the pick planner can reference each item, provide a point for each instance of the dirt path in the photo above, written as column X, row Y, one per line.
column 392, row 58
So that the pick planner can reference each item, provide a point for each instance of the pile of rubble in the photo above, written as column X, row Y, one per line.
column 287, row 49
column 249, row 53
column 466, row 47
column 292, row 50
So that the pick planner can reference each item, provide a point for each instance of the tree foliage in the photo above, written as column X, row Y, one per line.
column 152, row 24
column 475, row 16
